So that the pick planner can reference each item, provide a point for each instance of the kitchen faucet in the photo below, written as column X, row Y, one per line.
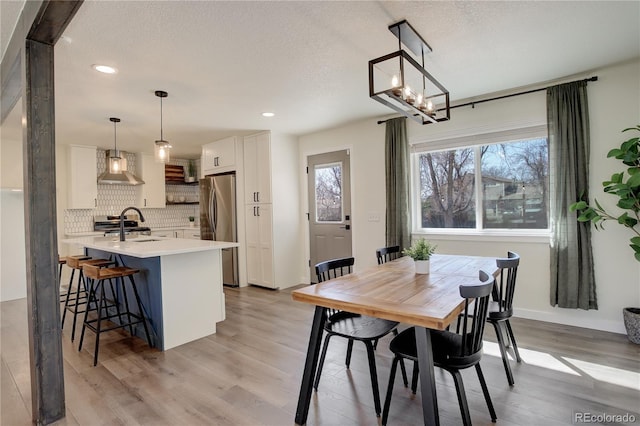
column 122, row 219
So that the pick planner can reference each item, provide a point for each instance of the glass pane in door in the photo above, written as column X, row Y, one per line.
column 328, row 192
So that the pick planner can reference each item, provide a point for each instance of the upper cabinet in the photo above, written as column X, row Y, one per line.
column 152, row 193
column 83, row 177
column 257, row 167
column 219, row 156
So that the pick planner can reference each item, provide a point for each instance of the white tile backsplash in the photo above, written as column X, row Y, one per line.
column 112, row 199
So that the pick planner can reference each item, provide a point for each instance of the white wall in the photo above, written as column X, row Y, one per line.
column 13, row 271
column 365, row 140
column 614, row 104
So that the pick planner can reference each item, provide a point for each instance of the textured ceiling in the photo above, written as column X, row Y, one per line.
column 223, row 63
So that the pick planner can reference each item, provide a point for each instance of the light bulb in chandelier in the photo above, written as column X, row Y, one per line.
column 408, row 95
column 395, row 86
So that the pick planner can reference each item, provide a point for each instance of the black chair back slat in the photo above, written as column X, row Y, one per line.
column 331, row 269
column 506, row 283
column 475, row 313
column 334, row 268
column 387, row 254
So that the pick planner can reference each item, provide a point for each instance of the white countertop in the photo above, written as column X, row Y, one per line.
column 148, row 246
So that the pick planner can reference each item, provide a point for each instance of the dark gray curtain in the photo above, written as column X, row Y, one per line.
column 398, row 229
column 572, row 280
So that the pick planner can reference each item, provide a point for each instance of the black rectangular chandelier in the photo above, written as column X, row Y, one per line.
column 401, row 83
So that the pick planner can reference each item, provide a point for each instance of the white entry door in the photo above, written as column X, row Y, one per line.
column 329, row 187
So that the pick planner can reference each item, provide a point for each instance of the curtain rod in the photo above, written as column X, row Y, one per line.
column 473, row 103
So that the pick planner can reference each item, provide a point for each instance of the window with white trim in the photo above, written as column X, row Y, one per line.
column 502, row 183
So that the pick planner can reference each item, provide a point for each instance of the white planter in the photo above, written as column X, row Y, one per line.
column 422, row 266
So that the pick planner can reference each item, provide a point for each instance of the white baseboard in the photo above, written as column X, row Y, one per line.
column 559, row 318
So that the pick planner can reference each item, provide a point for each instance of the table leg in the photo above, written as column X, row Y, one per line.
column 427, row 378
column 310, row 365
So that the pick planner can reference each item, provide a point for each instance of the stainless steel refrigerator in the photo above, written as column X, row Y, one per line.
column 218, row 219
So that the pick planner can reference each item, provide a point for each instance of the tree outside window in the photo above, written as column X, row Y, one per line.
column 329, row 193
column 447, row 189
column 513, row 179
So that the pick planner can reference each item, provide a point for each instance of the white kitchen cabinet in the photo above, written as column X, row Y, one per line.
column 273, row 221
column 259, row 243
column 83, row 177
column 167, row 233
column 191, row 234
column 151, row 194
column 257, row 166
column 219, row 156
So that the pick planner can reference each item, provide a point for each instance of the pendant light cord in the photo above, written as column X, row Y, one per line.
column 115, row 139
column 161, row 136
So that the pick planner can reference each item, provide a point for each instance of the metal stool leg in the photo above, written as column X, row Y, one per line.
column 143, row 318
column 99, row 322
column 81, row 284
column 91, row 298
column 66, row 300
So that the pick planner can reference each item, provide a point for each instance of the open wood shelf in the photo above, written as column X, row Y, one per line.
column 179, row 182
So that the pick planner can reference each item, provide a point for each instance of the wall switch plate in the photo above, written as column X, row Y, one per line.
column 374, row 216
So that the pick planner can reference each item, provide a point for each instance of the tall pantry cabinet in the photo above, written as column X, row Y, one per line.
column 272, row 210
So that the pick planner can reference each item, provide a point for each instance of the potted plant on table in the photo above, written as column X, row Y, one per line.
column 192, row 221
column 624, row 184
column 420, row 252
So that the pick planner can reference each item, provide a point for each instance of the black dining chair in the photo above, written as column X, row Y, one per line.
column 386, row 254
column 452, row 351
column 353, row 327
column 501, row 309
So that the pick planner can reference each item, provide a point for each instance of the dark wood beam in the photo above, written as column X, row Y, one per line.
column 11, row 67
column 52, row 20
column 45, row 334
column 31, row 50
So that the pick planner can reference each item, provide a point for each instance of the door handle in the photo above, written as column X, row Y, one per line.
column 347, row 227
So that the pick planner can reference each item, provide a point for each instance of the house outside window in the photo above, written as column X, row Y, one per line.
column 501, row 184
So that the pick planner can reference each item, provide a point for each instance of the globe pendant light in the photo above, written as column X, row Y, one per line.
column 162, row 147
column 115, row 160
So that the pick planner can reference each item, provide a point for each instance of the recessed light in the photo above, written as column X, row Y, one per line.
column 104, row 69
column 268, row 114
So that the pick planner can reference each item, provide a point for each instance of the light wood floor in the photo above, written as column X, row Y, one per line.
column 249, row 374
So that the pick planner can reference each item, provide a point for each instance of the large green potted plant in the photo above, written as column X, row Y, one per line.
column 420, row 252
column 625, row 185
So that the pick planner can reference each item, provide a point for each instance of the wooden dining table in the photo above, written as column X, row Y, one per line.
column 394, row 291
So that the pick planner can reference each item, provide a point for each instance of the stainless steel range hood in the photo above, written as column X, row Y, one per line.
column 124, row 178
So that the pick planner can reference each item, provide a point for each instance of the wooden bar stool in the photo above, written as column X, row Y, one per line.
column 77, row 297
column 98, row 298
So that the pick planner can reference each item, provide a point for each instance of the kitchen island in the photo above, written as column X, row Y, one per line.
column 180, row 282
